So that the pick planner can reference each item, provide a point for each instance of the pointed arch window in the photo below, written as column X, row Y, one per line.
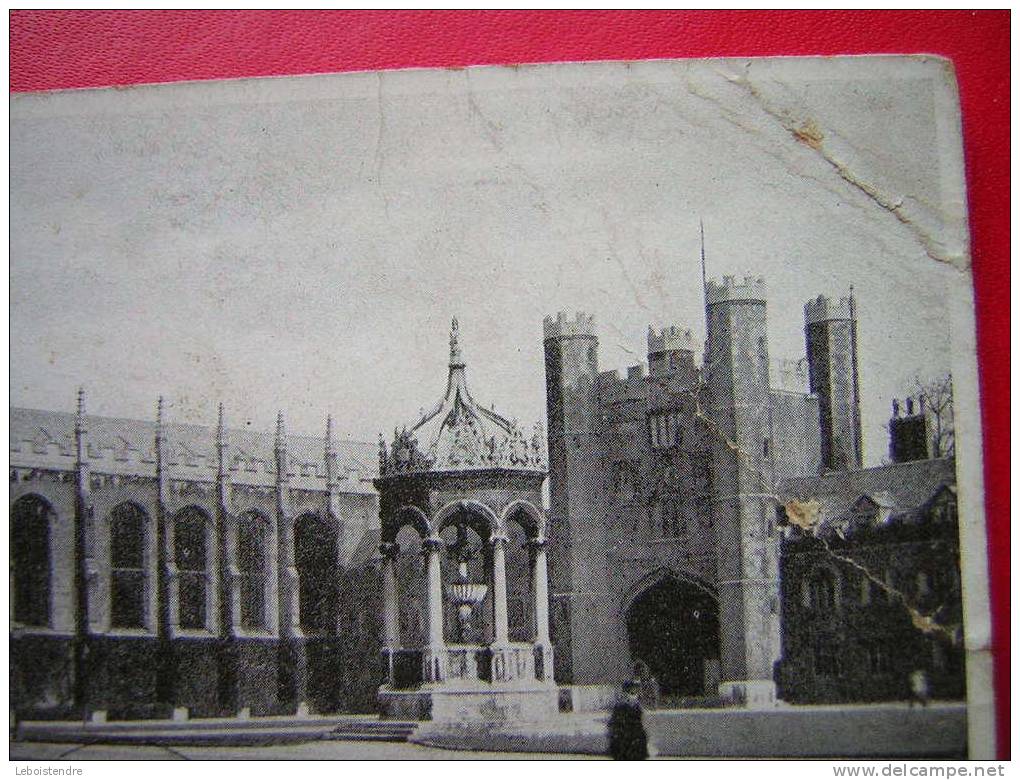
column 821, row 591
column 191, row 556
column 253, row 565
column 128, row 566
column 315, row 549
column 30, row 559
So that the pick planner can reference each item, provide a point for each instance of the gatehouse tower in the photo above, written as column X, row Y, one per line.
column 743, row 503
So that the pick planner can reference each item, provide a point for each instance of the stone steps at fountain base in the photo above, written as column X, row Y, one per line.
column 373, row 730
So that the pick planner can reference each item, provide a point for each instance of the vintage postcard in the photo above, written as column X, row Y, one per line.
column 567, row 410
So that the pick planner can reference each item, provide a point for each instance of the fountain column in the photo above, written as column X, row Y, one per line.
column 435, row 651
column 500, row 628
column 391, row 605
column 540, row 589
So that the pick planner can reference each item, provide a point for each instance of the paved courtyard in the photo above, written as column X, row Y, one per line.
column 309, row 751
column 860, row 731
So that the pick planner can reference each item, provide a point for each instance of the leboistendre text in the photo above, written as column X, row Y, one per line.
column 47, row 770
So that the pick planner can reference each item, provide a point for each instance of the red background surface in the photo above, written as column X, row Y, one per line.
column 62, row 49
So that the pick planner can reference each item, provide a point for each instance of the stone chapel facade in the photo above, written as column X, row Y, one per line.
column 160, row 568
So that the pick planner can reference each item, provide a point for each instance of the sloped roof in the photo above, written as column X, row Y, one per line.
column 41, row 431
column 902, row 487
column 881, row 498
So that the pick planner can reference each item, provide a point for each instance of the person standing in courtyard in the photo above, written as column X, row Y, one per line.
column 628, row 740
column 919, row 692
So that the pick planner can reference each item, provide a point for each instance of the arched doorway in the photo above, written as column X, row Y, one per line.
column 673, row 628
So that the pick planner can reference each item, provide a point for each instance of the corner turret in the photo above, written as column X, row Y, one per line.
column 572, row 404
column 670, row 351
column 747, row 552
column 830, row 331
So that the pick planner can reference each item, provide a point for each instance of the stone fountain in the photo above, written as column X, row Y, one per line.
column 465, row 595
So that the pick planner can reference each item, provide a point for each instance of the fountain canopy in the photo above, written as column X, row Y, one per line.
column 464, row 466
column 459, row 434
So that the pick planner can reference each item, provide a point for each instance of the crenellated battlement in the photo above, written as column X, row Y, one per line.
column 669, row 339
column 564, row 326
column 822, row 309
column 751, row 288
column 614, row 387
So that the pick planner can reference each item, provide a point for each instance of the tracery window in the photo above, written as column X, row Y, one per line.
column 30, row 559
column 626, row 481
column 253, row 565
column 315, row 547
column 665, row 430
column 192, row 559
column 128, row 569
column 819, row 591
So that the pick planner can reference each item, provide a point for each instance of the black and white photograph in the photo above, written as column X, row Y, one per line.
column 609, row 409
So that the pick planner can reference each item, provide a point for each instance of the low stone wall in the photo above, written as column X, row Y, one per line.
column 864, row 731
column 404, row 705
column 491, row 705
column 575, row 734
column 588, row 698
column 41, row 676
column 876, row 731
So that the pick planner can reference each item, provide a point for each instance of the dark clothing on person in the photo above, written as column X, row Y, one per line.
column 627, row 738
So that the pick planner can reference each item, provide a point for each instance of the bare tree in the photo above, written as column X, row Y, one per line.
column 936, row 398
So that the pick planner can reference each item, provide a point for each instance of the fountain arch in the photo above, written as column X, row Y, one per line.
column 474, row 481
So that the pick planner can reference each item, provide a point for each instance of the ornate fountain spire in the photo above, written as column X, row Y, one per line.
column 456, row 358
column 460, row 434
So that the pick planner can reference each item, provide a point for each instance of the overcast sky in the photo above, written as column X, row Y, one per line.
column 303, row 243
